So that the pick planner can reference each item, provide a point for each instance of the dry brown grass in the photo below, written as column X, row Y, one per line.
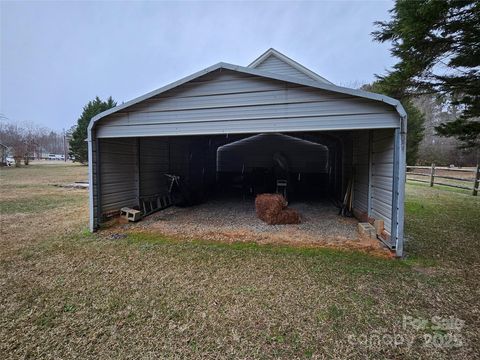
column 68, row 294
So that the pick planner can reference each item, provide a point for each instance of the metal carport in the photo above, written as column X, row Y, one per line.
column 131, row 145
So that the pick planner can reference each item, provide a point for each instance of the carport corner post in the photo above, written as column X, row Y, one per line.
column 91, row 164
column 401, row 140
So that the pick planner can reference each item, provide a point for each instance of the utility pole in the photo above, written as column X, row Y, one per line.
column 64, row 146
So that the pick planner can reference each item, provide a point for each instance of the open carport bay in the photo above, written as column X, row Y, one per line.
column 193, row 169
column 218, row 177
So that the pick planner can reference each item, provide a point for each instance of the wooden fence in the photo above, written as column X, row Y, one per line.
column 460, row 178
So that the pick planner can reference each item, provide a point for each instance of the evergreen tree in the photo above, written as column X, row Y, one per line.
column 438, row 44
column 78, row 145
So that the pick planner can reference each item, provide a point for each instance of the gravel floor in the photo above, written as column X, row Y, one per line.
column 235, row 220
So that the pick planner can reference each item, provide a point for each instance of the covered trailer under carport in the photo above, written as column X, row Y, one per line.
column 179, row 128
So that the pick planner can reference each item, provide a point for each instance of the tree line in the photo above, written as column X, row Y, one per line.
column 26, row 141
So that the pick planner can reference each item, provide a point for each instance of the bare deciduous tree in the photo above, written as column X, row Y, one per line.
column 26, row 140
column 434, row 148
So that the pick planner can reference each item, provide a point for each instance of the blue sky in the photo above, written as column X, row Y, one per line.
column 56, row 56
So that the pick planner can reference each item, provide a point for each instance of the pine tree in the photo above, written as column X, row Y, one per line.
column 438, row 44
column 78, row 145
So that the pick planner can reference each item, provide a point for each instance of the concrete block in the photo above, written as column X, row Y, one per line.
column 131, row 214
column 385, row 236
column 379, row 226
column 366, row 229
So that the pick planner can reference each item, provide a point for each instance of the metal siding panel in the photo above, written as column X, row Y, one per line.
column 383, row 145
column 246, row 112
column 154, row 163
column 118, row 182
column 382, row 175
column 277, row 66
column 251, row 126
column 382, row 182
column 249, row 98
column 360, row 163
column 288, row 80
column 381, row 194
column 381, row 169
column 347, row 160
column 255, row 92
column 383, row 157
column 394, row 227
column 383, row 134
column 220, row 86
column 179, row 156
column 241, row 105
column 401, row 151
column 93, row 188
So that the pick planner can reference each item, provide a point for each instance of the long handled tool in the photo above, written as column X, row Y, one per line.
column 347, row 204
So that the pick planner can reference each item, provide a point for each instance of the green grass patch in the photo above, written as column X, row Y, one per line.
column 350, row 262
column 443, row 187
column 37, row 203
column 441, row 225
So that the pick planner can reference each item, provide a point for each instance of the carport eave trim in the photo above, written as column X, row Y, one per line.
column 251, row 71
column 254, row 131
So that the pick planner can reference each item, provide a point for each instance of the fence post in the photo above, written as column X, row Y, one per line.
column 476, row 181
column 432, row 174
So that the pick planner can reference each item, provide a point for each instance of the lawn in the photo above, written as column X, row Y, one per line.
column 67, row 293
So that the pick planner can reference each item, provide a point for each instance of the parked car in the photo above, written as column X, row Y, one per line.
column 56, row 157
column 10, row 161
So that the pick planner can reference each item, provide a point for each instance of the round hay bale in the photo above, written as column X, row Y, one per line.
column 268, row 206
column 288, row 216
column 272, row 208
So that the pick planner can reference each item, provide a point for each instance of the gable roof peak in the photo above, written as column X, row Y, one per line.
column 284, row 58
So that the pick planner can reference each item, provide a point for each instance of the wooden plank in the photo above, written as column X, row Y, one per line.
column 455, row 186
column 417, row 174
column 452, row 178
column 428, row 182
